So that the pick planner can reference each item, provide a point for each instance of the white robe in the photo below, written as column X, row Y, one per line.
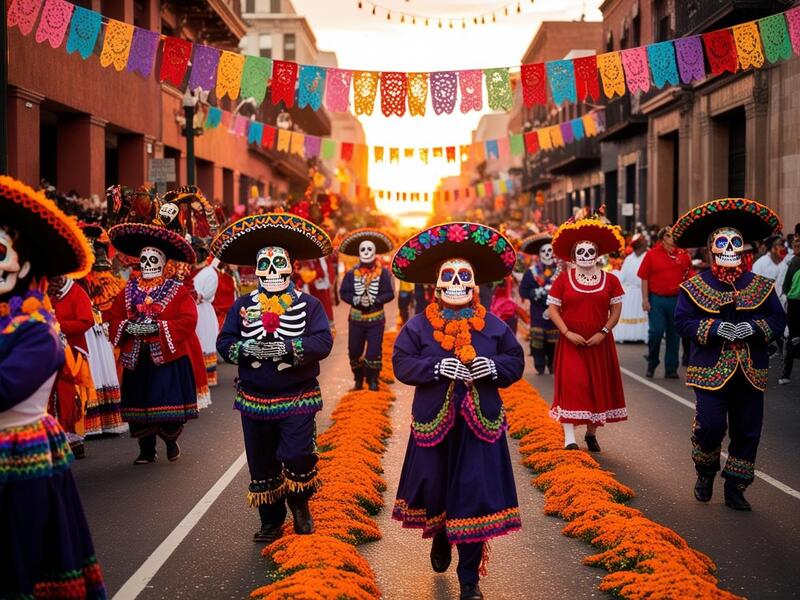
column 205, row 284
column 103, row 367
column 632, row 326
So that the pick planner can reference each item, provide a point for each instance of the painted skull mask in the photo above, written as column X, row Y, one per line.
column 367, row 251
column 273, row 268
column 456, row 283
column 585, row 254
column 168, row 212
column 11, row 271
column 727, row 246
column 546, row 254
column 152, row 262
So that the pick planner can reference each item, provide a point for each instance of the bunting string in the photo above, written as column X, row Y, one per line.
column 750, row 45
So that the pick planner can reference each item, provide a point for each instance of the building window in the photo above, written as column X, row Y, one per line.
column 737, row 154
column 636, row 31
column 663, row 20
column 265, row 46
column 275, row 6
column 250, row 6
column 610, row 42
column 289, row 52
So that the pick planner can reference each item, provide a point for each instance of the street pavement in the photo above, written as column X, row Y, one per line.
column 138, row 515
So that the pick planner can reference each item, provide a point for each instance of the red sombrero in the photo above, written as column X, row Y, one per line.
column 533, row 243
column 753, row 220
column 350, row 242
column 605, row 236
column 130, row 238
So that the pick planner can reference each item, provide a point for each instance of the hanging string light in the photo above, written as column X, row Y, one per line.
column 474, row 20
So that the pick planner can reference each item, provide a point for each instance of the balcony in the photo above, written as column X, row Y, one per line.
column 575, row 157
column 623, row 118
column 697, row 16
column 219, row 21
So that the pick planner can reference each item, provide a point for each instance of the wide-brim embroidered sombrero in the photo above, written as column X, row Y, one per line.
column 351, row 241
column 488, row 251
column 753, row 220
column 605, row 236
column 130, row 238
column 533, row 243
column 57, row 245
column 239, row 242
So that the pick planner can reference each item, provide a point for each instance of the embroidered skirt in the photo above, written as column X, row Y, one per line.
column 103, row 414
column 153, row 394
column 45, row 546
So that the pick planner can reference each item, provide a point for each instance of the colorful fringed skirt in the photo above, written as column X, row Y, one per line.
column 103, row 414
column 45, row 546
column 207, row 330
column 462, row 485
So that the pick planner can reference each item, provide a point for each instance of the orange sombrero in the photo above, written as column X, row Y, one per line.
column 61, row 248
column 605, row 236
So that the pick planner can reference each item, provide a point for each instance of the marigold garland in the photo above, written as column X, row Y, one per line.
column 455, row 334
column 645, row 560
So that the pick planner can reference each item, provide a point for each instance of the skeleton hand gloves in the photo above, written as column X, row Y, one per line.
column 141, row 329
column 732, row 332
column 482, row 367
column 262, row 350
column 452, row 368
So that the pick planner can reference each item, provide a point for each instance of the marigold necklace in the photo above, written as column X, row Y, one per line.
column 453, row 329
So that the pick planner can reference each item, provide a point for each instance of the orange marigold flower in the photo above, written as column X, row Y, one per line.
column 448, row 342
column 31, row 305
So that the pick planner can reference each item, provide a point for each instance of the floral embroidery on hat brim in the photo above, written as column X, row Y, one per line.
column 532, row 244
column 130, row 238
column 607, row 237
column 350, row 242
column 239, row 242
column 752, row 219
column 488, row 250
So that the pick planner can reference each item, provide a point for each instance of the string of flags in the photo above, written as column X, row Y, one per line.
column 304, row 145
column 611, row 74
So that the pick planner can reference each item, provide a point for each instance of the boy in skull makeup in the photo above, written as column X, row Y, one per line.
column 535, row 285
column 731, row 315
column 367, row 287
column 278, row 336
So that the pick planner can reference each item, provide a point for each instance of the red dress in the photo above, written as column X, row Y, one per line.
column 588, row 384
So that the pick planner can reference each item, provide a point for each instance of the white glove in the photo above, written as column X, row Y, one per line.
column 482, row 366
column 744, row 331
column 262, row 350
column 452, row 368
column 727, row 330
column 546, row 314
column 366, row 300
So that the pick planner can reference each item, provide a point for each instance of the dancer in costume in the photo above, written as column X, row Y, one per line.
column 632, row 326
column 366, row 287
column 535, row 286
column 103, row 413
column 731, row 316
column 585, row 303
column 278, row 336
column 205, row 280
column 227, row 290
column 153, row 323
column 457, row 482
column 45, row 545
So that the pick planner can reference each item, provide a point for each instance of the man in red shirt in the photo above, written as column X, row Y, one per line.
column 663, row 269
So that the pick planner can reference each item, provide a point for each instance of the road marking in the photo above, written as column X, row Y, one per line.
column 760, row 474
column 141, row 578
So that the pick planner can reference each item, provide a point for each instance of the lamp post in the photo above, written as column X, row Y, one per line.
column 190, row 101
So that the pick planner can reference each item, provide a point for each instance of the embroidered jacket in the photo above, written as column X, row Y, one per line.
column 535, row 285
column 170, row 305
column 378, row 288
column 703, row 303
column 275, row 388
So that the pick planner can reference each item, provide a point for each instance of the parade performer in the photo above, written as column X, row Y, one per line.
column 278, row 336
column 731, row 316
column 457, row 482
column 47, row 548
column 103, row 412
column 366, row 287
column 153, row 323
column 206, row 280
column 227, row 290
column 632, row 326
column 535, row 286
column 585, row 303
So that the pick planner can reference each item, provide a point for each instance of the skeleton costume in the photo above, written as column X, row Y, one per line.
column 457, row 482
column 45, row 545
column 535, row 286
column 366, row 288
column 277, row 336
column 731, row 315
column 153, row 322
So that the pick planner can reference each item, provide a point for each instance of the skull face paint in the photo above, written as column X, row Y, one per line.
column 546, row 255
column 273, row 269
column 585, row 255
column 168, row 212
column 366, row 252
column 727, row 247
column 10, row 269
column 456, row 283
column 152, row 261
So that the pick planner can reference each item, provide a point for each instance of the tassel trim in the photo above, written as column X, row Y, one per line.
column 300, row 487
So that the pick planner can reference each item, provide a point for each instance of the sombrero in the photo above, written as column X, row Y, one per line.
column 533, row 243
column 239, row 242
column 60, row 247
column 351, row 241
column 753, row 220
column 130, row 238
column 488, row 250
column 95, row 233
column 605, row 236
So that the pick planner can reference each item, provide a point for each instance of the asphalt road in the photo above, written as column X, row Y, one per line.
column 138, row 514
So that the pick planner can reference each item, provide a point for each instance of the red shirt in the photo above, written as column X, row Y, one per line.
column 665, row 271
column 74, row 315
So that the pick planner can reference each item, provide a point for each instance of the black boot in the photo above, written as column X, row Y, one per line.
column 271, row 526
column 147, row 450
column 591, row 443
column 303, row 523
column 470, row 591
column 704, row 488
column 441, row 552
column 358, row 377
column 734, row 496
column 173, row 450
column 372, row 379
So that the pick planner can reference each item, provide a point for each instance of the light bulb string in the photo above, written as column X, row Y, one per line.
column 441, row 20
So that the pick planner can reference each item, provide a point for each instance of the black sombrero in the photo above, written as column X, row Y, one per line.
column 753, row 220
column 533, row 243
column 130, row 238
column 489, row 251
column 58, row 245
column 351, row 241
column 239, row 242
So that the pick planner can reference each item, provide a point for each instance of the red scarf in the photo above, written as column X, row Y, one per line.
column 727, row 275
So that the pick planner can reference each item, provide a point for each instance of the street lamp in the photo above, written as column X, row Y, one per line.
column 190, row 100
column 283, row 120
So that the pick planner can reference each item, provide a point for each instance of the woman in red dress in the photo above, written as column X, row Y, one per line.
column 585, row 304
